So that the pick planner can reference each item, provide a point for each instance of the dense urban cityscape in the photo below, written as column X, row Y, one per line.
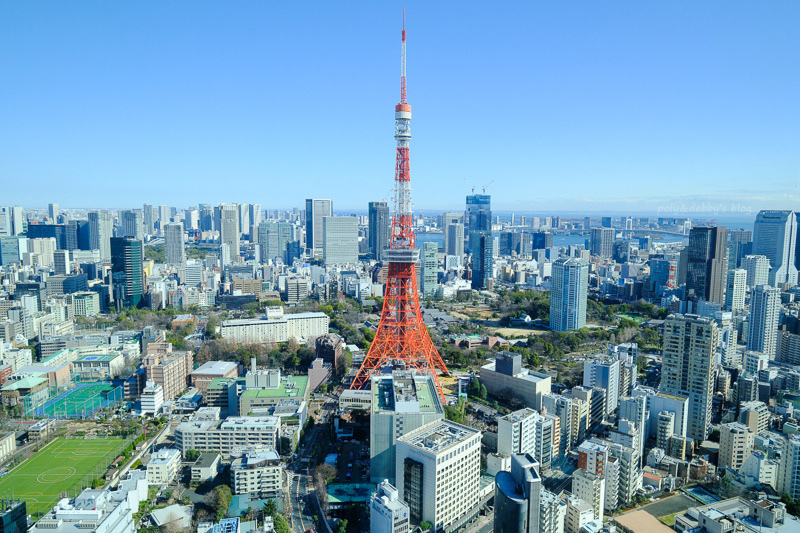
column 234, row 368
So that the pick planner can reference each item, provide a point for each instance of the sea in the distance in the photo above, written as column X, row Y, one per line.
column 559, row 239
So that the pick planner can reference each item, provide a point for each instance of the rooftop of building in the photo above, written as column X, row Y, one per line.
column 24, row 383
column 641, row 521
column 519, row 415
column 255, row 459
column 290, row 387
column 404, row 391
column 206, row 460
column 216, row 367
column 438, row 436
column 343, row 493
column 250, row 422
column 101, row 358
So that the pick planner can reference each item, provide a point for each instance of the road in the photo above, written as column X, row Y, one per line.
column 297, row 473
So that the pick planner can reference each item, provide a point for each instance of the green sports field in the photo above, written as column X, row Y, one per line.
column 83, row 399
column 59, row 467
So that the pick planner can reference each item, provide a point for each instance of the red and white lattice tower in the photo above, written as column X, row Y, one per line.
column 401, row 336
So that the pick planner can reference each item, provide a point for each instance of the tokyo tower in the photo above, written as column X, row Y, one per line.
column 402, row 337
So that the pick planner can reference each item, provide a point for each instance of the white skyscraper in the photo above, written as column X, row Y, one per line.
column 775, row 236
column 757, row 267
column 340, row 240
column 590, row 488
column 762, row 328
column 174, row 251
column 228, row 217
column 163, row 217
column 316, row 210
column 735, row 290
column 101, row 229
column 568, row 291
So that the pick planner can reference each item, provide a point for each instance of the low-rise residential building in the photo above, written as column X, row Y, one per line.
column 228, row 435
column 206, row 467
column 163, row 466
column 256, row 471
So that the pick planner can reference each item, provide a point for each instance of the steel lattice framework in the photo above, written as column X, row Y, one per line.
column 402, row 336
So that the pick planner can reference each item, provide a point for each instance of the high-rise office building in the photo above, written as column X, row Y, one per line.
column 739, row 242
column 340, row 240
column 6, row 229
column 429, row 258
column 706, row 267
column 316, row 211
column 101, row 229
column 150, row 216
column 438, row 472
column 601, row 242
column 379, row 222
column 735, row 290
column 775, row 236
column 18, row 222
column 570, row 284
column 387, row 512
column 401, row 402
column 479, row 213
column 227, row 216
column 690, row 344
column 273, row 237
column 61, row 264
column 191, row 219
column 164, row 217
column 762, row 328
column 132, row 224
column 52, row 212
column 481, row 245
column 127, row 272
column 174, row 251
column 757, row 268
column 254, row 214
column 445, row 221
column 517, row 497
column 454, row 245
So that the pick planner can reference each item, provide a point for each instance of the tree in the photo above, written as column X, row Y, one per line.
column 270, row 508
column 280, row 525
column 484, row 393
column 192, row 455
column 219, row 500
column 342, row 527
column 323, row 388
column 425, row 525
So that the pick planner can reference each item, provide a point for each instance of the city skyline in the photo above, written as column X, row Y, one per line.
column 650, row 97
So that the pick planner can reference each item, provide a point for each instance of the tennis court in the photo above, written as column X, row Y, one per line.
column 82, row 401
column 61, row 466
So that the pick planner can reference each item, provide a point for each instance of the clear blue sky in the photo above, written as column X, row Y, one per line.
column 592, row 106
